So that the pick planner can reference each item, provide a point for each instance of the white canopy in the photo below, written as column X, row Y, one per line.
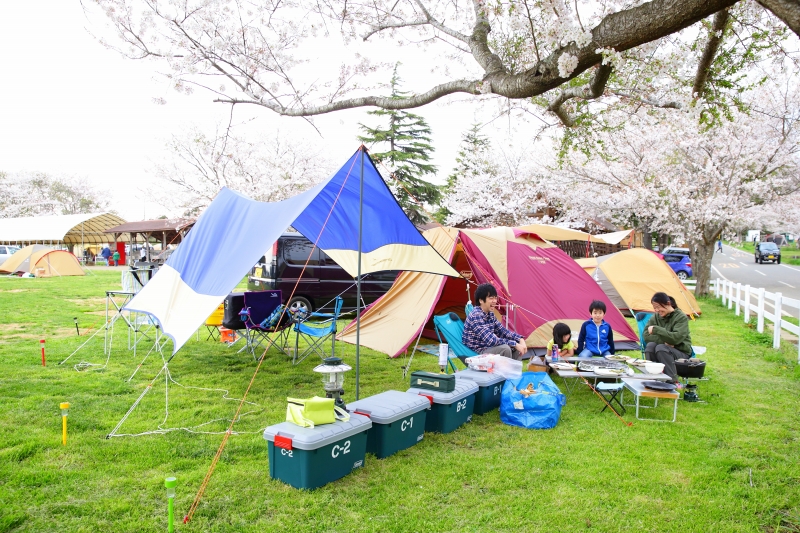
column 615, row 237
column 86, row 228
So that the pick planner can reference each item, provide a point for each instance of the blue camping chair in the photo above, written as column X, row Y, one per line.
column 315, row 333
column 642, row 319
column 262, row 315
column 451, row 328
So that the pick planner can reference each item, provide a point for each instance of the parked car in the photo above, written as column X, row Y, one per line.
column 321, row 282
column 674, row 250
column 6, row 252
column 767, row 251
column 681, row 264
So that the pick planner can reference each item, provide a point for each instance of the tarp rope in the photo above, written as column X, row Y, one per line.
column 229, row 431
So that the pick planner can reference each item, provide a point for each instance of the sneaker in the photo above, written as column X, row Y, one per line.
column 678, row 386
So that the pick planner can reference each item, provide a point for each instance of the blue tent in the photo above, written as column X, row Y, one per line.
column 234, row 231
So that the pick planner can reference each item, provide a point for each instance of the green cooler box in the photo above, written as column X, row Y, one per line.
column 449, row 410
column 307, row 458
column 489, row 388
column 398, row 420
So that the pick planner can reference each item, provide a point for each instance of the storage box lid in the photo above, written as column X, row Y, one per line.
column 389, row 406
column 483, row 379
column 464, row 387
column 291, row 436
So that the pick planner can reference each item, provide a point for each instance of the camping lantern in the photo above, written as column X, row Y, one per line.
column 332, row 370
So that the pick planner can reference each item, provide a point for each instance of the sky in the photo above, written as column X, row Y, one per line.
column 71, row 107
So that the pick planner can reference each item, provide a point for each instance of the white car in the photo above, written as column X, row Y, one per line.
column 674, row 250
column 6, row 252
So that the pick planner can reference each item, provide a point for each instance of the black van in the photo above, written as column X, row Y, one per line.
column 322, row 280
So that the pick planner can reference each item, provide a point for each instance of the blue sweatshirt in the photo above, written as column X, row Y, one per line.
column 596, row 339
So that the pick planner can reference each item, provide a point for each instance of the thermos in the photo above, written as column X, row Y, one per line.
column 555, row 353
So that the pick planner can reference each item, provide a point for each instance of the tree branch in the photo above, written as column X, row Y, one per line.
column 786, row 10
column 587, row 92
column 385, row 102
column 429, row 20
column 619, row 31
column 707, row 59
column 648, row 101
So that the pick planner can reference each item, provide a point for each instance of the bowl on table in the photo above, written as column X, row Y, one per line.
column 653, row 368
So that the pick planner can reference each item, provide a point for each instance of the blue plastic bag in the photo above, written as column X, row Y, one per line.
column 536, row 411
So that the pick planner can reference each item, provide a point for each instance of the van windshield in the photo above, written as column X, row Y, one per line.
column 769, row 246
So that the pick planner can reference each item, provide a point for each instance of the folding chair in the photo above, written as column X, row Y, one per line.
column 642, row 319
column 451, row 328
column 315, row 333
column 609, row 391
column 214, row 321
column 261, row 316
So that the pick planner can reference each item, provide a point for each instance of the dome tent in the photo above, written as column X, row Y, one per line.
column 545, row 284
column 631, row 277
column 43, row 262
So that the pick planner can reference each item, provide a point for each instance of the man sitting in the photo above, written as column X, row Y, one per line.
column 484, row 334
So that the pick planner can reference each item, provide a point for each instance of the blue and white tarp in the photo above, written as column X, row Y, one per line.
column 234, row 231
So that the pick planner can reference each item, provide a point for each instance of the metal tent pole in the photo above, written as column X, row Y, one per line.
column 358, row 280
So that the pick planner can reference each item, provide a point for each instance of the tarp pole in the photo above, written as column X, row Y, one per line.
column 358, row 280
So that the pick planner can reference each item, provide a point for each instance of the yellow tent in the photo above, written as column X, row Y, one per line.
column 43, row 262
column 631, row 277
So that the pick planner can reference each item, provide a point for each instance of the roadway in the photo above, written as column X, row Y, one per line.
column 740, row 267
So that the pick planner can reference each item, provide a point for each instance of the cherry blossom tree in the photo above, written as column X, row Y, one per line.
column 555, row 54
column 36, row 193
column 681, row 178
column 269, row 169
column 491, row 187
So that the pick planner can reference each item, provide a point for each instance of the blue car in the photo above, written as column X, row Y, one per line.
column 681, row 264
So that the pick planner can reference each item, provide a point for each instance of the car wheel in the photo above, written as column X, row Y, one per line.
column 756, row 260
column 778, row 260
column 299, row 303
column 683, row 275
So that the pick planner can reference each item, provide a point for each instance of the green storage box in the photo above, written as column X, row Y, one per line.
column 489, row 388
column 398, row 420
column 431, row 381
column 307, row 458
column 449, row 410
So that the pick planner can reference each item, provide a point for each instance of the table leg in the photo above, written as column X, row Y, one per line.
column 567, row 385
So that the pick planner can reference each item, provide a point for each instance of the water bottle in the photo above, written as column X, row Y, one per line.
column 555, row 353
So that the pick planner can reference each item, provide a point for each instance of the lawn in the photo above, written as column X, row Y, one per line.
column 728, row 465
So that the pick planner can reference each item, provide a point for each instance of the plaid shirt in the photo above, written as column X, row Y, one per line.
column 482, row 330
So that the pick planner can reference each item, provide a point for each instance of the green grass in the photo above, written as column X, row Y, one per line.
column 728, row 465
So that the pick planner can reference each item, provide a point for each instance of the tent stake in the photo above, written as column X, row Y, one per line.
column 358, row 280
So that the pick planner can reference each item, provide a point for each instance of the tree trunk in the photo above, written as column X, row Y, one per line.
column 647, row 237
column 702, row 254
column 663, row 241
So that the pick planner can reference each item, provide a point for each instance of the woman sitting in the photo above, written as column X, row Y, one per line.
column 667, row 334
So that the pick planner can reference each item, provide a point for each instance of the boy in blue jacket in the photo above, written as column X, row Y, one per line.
column 596, row 337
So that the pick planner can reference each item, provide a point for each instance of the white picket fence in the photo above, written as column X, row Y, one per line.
column 740, row 298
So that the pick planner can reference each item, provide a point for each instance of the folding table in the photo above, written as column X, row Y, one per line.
column 636, row 386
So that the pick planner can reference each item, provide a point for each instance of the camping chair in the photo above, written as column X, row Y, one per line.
column 261, row 316
column 214, row 322
column 642, row 319
column 610, row 392
column 451, row 328
column 316, row 333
